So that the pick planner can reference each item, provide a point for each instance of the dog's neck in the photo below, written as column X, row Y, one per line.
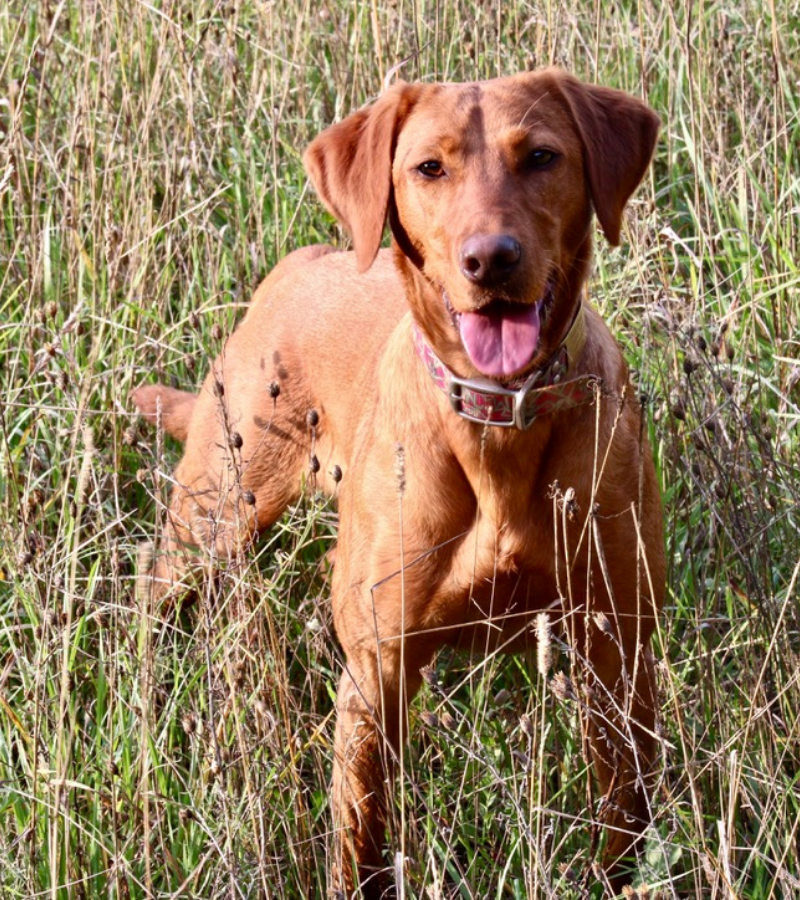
column 519, row 403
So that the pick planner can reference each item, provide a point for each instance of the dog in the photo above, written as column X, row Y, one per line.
column 469, row 409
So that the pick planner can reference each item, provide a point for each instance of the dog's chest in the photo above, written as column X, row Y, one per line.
column 498, row 608
column 502, row 574
column 513, row 529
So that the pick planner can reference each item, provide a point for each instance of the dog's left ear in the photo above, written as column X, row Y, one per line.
column 350, row 164
column 619, row 134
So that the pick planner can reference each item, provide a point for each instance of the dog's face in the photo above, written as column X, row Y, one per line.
column 489, row 188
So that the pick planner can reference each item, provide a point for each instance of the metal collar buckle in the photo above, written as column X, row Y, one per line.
column 510, row 409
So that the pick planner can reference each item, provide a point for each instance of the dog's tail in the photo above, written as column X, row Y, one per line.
column 176, row 407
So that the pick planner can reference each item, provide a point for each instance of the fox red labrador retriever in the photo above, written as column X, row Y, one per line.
column 471, row 411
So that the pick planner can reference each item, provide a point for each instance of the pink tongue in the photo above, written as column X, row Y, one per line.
column 501, row 340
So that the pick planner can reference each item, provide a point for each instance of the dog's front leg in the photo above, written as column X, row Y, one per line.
column 386, row 615
column 372, row 724
column 620, row 687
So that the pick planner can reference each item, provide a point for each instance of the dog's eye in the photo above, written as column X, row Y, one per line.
column 539, row 158
column 431, row 168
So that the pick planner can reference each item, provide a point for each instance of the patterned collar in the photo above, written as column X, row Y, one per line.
column 521, row 402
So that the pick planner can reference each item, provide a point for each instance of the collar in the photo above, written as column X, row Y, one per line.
column 516, row 405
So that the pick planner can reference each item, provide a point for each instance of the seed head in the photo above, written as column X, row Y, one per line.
column 526, row 724
column 400, row 468
column 431, row 677
column 562, row 687
column 448, row 721
column 190, row 723
column 544, row 647
column 429, row 719
column 601, row 620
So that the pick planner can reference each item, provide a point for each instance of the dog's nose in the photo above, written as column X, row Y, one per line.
column 488, row 259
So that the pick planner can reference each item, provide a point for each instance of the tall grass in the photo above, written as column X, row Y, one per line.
column 149, row 176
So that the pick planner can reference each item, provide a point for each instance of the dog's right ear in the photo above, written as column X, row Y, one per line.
column 350, row 165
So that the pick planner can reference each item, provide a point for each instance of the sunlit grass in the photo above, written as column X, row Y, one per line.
column 150, row 175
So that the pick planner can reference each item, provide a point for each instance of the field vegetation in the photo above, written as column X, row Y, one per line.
column 150, row 175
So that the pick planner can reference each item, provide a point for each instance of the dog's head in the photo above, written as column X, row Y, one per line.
column 489, row 189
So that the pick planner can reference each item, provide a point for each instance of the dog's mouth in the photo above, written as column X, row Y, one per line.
column 502, row 337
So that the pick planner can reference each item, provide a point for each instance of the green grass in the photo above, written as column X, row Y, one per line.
column 150, row 175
